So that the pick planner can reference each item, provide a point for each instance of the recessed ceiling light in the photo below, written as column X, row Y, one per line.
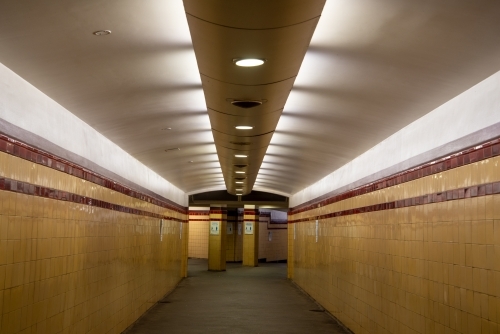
column 249, row 62
column 102, row 32
column 240, row 172
column 240, row 156
column 239, row 182
column 165, row 129
column 190, row 161
column 239, row 189
column 239, row 194
column 244, row 127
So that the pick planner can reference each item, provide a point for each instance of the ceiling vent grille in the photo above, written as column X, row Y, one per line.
column 246, row 104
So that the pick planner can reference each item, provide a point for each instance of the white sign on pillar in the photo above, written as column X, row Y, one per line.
column 248, row 227
column 214, row 228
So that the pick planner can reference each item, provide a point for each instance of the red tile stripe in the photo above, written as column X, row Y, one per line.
column 450, row 195
column 220, row 212
column 21, row 187
column 199, row 213
column 27, row 152
column 462, row 158
column 199, row 220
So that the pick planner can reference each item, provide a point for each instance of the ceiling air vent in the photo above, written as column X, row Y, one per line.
column 246, row 104
column 240, row 166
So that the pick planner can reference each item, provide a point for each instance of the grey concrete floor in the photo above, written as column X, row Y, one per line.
column 238, row 300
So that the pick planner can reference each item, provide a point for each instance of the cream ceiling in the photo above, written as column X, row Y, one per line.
column 372, row 67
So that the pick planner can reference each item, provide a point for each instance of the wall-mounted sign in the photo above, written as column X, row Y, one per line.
column 248, row 227
column 229, row 229
column 214, row 228
column 317, row 230
column 239, row 228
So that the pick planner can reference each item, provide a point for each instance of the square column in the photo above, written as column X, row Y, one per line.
column 250, row 236
column 217, row 238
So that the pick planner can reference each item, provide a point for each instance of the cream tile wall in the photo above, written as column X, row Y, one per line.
column 276, row 248
column 232, row 238
column 198, row 233
column 72, row 268
column 431, row 268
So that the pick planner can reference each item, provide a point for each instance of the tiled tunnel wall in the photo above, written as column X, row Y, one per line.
column 77, row 255
column 274, row 249
column 415, row 253
column 273, row 242
column 199, row 221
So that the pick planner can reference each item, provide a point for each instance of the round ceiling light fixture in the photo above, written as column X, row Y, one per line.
column 239, row 194
column 102, row 32
column 240, row 172
column 244, row 127
column 248, row 62
column 240, row 156
column 239, row 182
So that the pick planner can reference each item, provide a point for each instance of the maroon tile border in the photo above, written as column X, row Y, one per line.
column 199, row 220
column 7, row 184
column 449, row 195
column 199, row 213
column 462, row 158
column 216, row 211
column 27, row 152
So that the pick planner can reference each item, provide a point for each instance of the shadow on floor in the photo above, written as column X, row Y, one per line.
column 238, row 300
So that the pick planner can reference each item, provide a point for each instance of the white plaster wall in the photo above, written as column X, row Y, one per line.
column 471, row 111
column 28, row 108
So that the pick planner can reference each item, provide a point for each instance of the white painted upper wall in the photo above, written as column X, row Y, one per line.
column 28, row 108
column 471, row 111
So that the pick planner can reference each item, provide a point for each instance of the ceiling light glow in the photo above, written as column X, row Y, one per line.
column 250, row 62
column 240, row 172
column 239, row 182
column 240, row 156
column 244, row 127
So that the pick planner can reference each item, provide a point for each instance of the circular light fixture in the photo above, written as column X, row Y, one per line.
column 239, row 182
column 240, row 156
column 244, row 127
column 239, row 189
column 239, row 194
column 240, row 172
column 165, row 129
column 102, row 32
column 249, row 62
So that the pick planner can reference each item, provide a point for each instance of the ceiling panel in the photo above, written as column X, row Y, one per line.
column 372, row 67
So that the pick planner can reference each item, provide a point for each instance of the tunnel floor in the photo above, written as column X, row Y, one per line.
column 239, row 300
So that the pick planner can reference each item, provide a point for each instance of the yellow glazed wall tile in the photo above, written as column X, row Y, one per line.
column 444, row 259
column 58, row 256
